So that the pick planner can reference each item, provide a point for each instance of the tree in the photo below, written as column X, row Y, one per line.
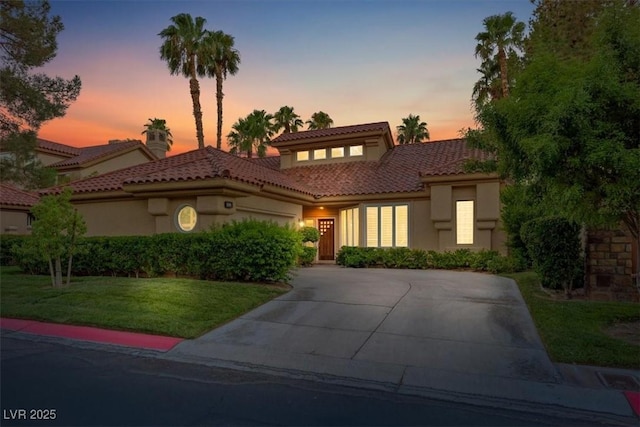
column 217, row 59
column 319, row 120
column 161, row 125
column 254, row 131
column 287, row 119
column 500, row 43
column 412, row 130
column 181, row 48
column 571, row 126
column 22, row 166
column 28, row 41
column 55, row 232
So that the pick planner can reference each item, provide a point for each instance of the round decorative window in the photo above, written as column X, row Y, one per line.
column 187, row 218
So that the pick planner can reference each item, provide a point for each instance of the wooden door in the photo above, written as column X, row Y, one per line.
column 326, row 246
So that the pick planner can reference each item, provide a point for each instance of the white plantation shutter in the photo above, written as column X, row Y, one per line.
column 372, row 226
column 464, row 222
column 386, row 226
column 343, row 228
column 402, row 226
column 356, row 226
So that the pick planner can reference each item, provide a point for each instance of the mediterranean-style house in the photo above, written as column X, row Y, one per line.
column 352, row 183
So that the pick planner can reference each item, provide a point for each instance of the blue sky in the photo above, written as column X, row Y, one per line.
column 360, row 61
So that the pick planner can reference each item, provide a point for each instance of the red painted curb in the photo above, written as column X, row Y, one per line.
column 633, row 398
column 87, row 333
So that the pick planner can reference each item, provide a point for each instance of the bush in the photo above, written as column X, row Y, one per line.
column 8, row 245
column 253, row 251
column 309, row 234
column 553, row 243
column 248, row 250
column 307, row 256
column 491, row 261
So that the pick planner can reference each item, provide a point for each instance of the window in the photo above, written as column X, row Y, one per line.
column 319, row 154
column 355, row 150
column 387, row 226
column 186, row 218
column 464, row 222
column 350, row 227
column 337, row 152
column 302, row 156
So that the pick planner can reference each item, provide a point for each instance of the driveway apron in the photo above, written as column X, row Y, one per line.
column 399, row 327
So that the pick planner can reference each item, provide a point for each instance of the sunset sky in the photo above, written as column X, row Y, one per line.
column 359, row 61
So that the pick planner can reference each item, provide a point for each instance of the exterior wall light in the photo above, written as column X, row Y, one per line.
column 228, row 205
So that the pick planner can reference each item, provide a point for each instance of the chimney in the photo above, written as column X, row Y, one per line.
column 157, row 142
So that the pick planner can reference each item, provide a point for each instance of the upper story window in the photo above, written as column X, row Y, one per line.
column 302, row 156
column 355, row 150
column 337, row 152
column 320, row 154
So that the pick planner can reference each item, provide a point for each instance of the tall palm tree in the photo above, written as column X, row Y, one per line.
column 489, row 85
column 159, row 124
column 287, row 119
column 503, row 38
column 253, row 131
column 319, row 120
column 180, row 49
column 412, row 130
column 219, row 58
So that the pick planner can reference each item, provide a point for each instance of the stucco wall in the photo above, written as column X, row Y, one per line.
column 48, row 159
column 117, row 218
column 14, row 222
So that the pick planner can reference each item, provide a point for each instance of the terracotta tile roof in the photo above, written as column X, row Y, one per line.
column 56, row 147
column 399, row 171
column 321, row 133
column 194, row 165
column 89, row 154
column 11, row 196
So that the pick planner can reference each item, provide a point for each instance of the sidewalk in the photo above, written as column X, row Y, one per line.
column 587, row 392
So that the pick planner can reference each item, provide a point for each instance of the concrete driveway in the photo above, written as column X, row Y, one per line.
column 392, row 328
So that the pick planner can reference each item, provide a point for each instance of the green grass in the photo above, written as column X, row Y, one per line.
column 166, row 306
column 572, row 330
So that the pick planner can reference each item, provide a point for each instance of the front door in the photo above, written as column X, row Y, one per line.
column 325, row 246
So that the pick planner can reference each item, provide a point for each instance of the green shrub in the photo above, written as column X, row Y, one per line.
column 253, row 251
column 307, row 256
column 491, row 261
column 309, row 234
column 357, row 257
column 553, row 243
column 8, row 246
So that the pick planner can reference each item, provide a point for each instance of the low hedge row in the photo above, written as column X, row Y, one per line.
column 491, row 261
column 250, row 250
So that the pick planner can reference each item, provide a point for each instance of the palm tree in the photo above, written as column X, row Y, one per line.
column 319, row 120
column 287, row 119
column 489, row 85
column 412, row 130
column 161, row 125
column 255, row 130
column 503, row 38
column 219, row 58
column 180, row 49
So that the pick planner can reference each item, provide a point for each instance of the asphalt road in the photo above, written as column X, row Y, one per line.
column 73, row 385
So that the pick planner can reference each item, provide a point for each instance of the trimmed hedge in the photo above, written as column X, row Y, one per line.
column 491, row 261
column 249, row 250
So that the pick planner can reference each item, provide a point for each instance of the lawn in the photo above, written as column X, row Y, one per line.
column 166, row 306
column 572, row 330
